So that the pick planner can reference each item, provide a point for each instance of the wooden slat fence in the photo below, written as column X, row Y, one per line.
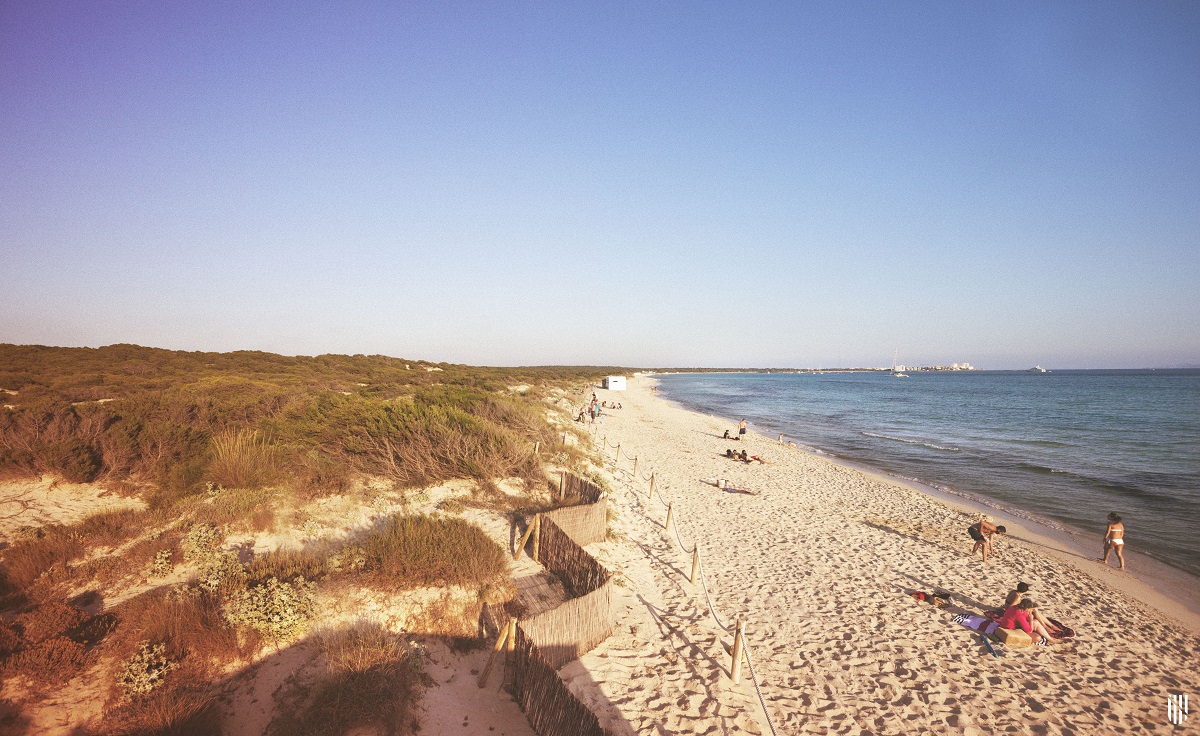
column 548, row 704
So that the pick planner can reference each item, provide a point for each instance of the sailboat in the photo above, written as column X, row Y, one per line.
column 895, row 373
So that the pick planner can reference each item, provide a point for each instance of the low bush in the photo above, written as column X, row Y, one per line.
column 52, row 661
column 232, row 505
column 26, row 560
column 277, row 611
column 48, row 620
column 416, row 551
column 145, row 670
column 188, row 621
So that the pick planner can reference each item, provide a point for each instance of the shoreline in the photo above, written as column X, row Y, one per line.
column 1176, row 592
column 819, row 561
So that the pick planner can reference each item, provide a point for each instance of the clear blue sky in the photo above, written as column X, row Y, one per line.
column 609, row 183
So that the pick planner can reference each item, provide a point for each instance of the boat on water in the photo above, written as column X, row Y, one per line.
column 1038, row 369
column 894, row 373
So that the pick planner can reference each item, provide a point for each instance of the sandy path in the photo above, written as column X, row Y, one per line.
column 821, row 564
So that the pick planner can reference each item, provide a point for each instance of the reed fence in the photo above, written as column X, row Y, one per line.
column 544, row 643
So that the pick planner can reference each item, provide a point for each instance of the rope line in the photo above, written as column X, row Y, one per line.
column 708, row 598
column 762, row 701
column 754, row 678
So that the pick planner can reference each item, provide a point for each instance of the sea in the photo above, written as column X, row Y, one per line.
column 1062, row 448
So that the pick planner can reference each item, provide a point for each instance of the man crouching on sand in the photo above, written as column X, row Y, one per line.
column 982, row 533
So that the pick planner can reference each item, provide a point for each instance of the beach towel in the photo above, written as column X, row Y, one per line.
column 979, row 624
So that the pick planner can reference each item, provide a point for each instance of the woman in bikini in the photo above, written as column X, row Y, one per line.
column 1114, row 539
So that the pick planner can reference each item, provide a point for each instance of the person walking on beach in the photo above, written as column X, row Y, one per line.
column 1114, row 539
column 742, row 430
column 982, row 533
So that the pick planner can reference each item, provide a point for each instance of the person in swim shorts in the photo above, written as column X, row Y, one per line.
column 982, row 533
column 742, row 429
column 1114, row 539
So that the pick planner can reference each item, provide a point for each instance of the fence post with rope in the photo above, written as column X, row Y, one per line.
column 740, row 649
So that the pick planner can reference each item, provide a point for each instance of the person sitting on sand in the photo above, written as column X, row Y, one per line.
column 729, row 453
column 982, row 533
column 744, row 458
column 1016, row 596
column 1018, row 617
column 1114, row 539
column 726, row 435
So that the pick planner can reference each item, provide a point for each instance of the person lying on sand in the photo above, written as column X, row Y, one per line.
column 982, row 533
column 1019, row 617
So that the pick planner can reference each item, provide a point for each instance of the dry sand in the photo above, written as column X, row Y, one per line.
column 821, row 564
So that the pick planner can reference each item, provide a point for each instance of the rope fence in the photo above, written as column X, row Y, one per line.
column 740, row 647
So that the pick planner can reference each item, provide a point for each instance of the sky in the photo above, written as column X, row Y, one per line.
column 640, row 184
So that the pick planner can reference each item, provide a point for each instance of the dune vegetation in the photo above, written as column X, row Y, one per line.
column 160, row 601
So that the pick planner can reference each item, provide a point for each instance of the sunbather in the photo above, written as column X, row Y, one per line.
column 1019, row 617
column 1016, row 596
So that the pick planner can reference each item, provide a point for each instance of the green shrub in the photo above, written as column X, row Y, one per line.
column 73, row 459
column 415, row 551
column 145, row 670
column 202, row 543
column 278, row 611
column 162, row 565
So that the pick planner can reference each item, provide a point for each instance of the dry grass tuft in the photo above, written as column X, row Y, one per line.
column 373, row 682
column 243, row 459
column 418, row 551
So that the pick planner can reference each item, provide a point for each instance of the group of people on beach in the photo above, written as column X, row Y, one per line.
column 745, row 457
column 741, row 435
column 595, row 410
column 1114, row 538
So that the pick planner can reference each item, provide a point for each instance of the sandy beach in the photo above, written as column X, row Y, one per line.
column 820, row 565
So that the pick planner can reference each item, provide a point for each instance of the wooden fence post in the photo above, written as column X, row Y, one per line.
column 537, row 446
column 695, row 562
column 652, row 486
column 617, row 461
column 495, row 651
column 635, row 464
column 735, row 670
column 562, row 485
column 524, row 539
column 537, row 536
column 670, row 511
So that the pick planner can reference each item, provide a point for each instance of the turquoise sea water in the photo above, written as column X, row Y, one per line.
column 1065, row 447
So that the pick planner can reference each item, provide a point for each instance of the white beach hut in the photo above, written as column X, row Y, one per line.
column 614, row 383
